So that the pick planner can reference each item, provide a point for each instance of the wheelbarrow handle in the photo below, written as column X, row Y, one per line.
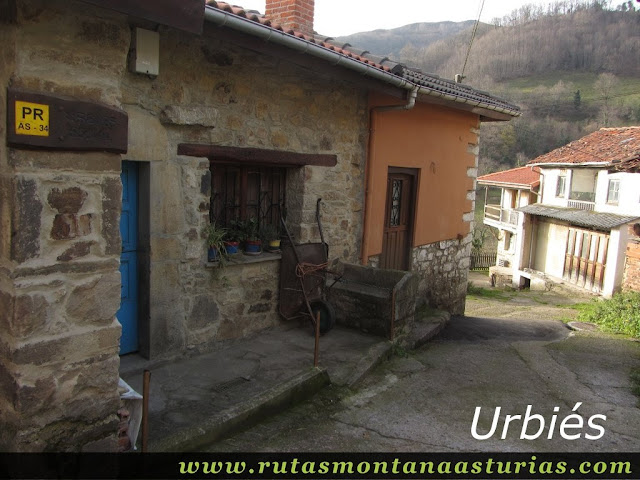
column 293, row 245
column 325, row 247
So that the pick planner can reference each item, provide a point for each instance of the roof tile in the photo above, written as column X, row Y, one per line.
column 521, row 176
column 427, row 81
column 263, row 20
column 605, row 146
column 583, row 218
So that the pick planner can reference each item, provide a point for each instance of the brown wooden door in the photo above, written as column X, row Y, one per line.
column 586, row 258
column 398, row 223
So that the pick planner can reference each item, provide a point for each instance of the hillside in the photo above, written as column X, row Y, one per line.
column 392, row 42
column 573, row 68
column 586, row 40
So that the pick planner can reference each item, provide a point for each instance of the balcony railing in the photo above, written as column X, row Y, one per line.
column 501, row 215
column 582, row 205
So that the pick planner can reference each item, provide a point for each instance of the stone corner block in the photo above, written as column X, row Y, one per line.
column 148, row 140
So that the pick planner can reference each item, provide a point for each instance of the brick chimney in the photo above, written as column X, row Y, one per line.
column 291, row 14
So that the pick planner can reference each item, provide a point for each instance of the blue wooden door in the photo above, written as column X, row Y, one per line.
column 128, row 313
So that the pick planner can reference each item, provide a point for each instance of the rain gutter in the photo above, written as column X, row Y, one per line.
column 304, row 46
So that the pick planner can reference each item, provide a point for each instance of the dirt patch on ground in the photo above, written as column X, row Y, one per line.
column 559, row 303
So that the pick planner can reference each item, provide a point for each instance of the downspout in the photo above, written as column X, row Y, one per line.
column 411, row 102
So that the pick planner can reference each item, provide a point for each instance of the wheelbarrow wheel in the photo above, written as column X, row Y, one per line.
column 327, row 315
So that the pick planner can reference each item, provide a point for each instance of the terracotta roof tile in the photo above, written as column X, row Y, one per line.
column 521, row 176
column 605, row 146
column 433, row 83
column 263, row 20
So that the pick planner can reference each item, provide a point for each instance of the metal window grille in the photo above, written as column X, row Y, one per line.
column 240, row 193
column 396, row 195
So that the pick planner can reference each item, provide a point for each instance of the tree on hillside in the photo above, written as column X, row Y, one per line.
column 605, row 86
column 568, row 36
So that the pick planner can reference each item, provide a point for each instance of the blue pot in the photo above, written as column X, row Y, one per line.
column 231, row 247
column 213, row 255
column 252, row 246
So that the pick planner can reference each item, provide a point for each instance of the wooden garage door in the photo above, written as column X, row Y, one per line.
column 586, row 258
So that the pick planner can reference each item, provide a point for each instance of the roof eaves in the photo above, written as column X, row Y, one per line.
column 583, row 218
column 223, row 14
column 569, row 164
column 520, row 186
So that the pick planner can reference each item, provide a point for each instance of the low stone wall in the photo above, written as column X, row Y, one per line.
column 380, row 302
column 443, row 268
column 501, row 276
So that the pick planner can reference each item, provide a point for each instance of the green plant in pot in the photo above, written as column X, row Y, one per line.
column 235, row 234
column 270, row 235
column 214, row 238
column 252, row 242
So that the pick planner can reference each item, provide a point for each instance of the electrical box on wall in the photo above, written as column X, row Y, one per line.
column 145, row 52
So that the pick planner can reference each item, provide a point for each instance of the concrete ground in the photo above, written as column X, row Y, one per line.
column 199, row 400
column 510, row 351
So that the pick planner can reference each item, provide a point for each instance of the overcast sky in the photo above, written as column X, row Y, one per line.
column 343, row 17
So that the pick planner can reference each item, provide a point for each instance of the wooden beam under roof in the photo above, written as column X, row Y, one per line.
column 187, row 15
column 256, row 156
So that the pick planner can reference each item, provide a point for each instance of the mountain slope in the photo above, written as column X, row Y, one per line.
column 391, row 42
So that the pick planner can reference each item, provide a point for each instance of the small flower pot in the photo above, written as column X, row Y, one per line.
column 231, row 247
column 253, row 247
column 274, row 245
column 213, row 255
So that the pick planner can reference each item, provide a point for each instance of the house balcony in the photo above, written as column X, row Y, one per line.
column 582, row 200
column 504, row 218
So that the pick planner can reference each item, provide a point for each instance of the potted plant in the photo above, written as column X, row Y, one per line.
column 252, row 242
column 235, row 234
column 270, row 237
column 214, row 237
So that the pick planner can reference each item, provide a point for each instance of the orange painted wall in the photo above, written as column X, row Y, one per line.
column 435, row 140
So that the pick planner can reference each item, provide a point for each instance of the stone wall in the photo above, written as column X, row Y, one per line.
column 60, row 245
column 242, row 99
column 8, row 414
column 60, row 293
column 378, row 302
column 60, row 241
column 443, row 268
column 631, row 279
column 59, row 211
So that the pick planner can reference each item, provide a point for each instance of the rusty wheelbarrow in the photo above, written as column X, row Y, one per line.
column 304, row 280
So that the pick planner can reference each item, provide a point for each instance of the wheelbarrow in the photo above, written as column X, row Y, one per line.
column 303, row 280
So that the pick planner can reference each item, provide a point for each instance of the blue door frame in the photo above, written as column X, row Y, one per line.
column 128, row 313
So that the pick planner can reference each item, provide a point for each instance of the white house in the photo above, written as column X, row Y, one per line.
column 517, row 187
column 577, row 232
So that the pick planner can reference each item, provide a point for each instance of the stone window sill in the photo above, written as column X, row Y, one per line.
column 242, row 259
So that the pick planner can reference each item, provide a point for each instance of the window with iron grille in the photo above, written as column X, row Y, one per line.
column 244, row 192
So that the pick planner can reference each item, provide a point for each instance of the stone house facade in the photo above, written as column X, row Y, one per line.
column 119, row 140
